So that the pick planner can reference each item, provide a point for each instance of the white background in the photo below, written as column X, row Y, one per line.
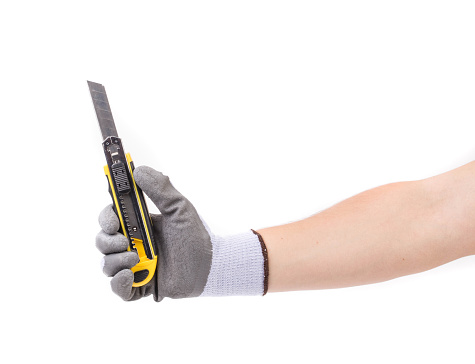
column 261, row 112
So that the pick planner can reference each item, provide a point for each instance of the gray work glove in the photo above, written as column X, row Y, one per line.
column 191, row 260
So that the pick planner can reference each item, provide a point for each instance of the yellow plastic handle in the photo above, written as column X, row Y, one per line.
column 145, row 269
column 145, row 266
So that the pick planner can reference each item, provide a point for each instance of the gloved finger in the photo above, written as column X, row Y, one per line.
column 121, row 284
column 157, row 186
column 156, row 220
column 108, row 220
column 108, row 244
column 114, row 263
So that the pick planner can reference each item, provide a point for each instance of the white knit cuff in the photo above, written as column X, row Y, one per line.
column 238, row 267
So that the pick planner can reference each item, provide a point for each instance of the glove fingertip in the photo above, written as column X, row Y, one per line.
column 111, row 243
column 148, row 178
column 160, row 190
column 108, row 220
column 115, row 263
column 121, row 284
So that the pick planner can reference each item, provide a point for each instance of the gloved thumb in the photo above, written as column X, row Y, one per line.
column 158, row 188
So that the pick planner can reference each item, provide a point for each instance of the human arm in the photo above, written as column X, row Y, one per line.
column 380, row 234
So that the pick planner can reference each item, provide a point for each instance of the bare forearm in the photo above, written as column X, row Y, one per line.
column 380, row 234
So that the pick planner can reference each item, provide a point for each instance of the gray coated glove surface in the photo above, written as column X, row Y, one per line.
column 184, row 245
